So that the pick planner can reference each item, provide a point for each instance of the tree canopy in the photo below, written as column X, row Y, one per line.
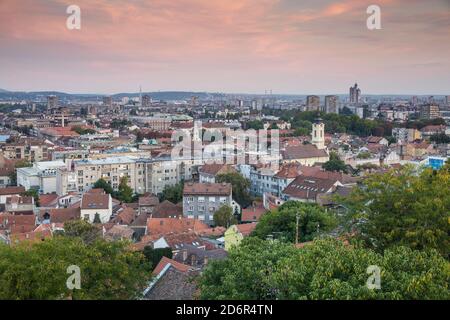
column 282, row 222
column 224, row 217
column 240, row 187
column 335, row 164
column 108, row 270
column 102, row 184
column 403, row 207
column 173, row 194
column 326, row 269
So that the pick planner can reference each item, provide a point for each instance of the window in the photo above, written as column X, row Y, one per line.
column 201, row 199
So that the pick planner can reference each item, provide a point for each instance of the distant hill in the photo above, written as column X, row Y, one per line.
column 2, row 90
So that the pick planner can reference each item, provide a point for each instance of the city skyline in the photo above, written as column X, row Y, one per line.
column 312, row 47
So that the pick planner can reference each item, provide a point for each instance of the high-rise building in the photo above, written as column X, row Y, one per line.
column 107, row 101
column 331, row 104
column 355, row 94
column 429, row 111
column 318, row 134
column 52, row 102
column 447, row 100
column 313, row 103
column 146, row 101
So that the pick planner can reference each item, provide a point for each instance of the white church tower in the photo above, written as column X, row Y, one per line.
column 318, row 134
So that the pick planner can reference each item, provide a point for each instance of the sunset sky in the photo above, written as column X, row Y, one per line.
column 245, row 46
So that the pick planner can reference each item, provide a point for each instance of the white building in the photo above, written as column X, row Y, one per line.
column 96, row 203
column 42, row 176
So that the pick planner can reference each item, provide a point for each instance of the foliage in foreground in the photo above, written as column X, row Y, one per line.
column 403, row 207
column 327, row 269
column 39, row 271
column 281, row 223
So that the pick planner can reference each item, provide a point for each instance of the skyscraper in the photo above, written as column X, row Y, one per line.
column 355, row 94
column 52, row 102
column 331, row 104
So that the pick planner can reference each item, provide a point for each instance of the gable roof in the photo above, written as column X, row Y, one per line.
column 204, row 189
column 303, row 152
column 246, row 229
column 168, row 225
column 308, row 187
column 167, row 209
column 253, row 214
column 148, row 200
column 11, row 190
column 61, row 215
column 95, row 201
column 214, row 169
column 165, row 261
column 48, row 200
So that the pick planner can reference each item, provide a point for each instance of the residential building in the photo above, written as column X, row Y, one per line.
column 96, row 203
column 208, row 172
column 41, row 176
column 52, row 102
column 355, row 94
column 405, row 135
column 202, row 200
column 430, row 111
column 331, row 104
column 313, row 103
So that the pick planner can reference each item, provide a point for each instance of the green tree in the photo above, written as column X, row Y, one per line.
column 282, row 222
column 102, row 184
column 125, row 193
column 82, row 229
column 335, row 164
column 83, row 131
column 326, row 269
column 240, row 187
column 224, row 217
column 108, row 270
column 440, row 138
column 173, row 194
column 32, row 193
column 154, row 256
column 403, row 207
column 255, row 124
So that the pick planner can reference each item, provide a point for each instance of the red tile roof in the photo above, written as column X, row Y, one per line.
column 303, row 152
column 167, row 225
column 204, row 189
column 165, row 261
column 11, row 190
column 246, row 229
column 95, row 201
column 253, row 214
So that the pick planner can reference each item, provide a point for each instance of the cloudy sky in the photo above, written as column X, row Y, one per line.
column 289, row 46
